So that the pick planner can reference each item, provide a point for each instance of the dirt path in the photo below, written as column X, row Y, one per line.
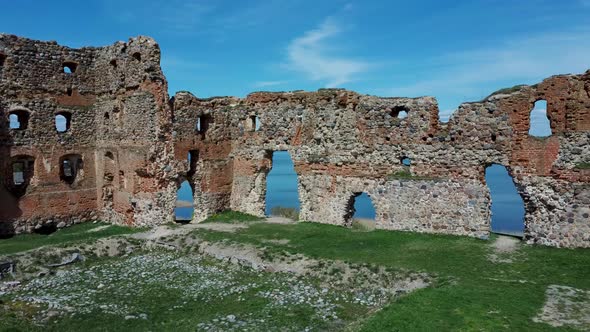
column 506, row 244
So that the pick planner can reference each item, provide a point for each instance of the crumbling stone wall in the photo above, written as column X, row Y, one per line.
column 123, row 81
column 135, row 144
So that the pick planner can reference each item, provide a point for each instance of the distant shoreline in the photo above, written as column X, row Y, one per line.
column 184, row 204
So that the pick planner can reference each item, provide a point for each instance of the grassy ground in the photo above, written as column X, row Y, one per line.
column 76, row 233
column 472, row 293
column 163, row 290
column 232, row 217
column 167, row 291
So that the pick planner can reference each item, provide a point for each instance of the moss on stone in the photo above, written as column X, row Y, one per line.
column 406, row 175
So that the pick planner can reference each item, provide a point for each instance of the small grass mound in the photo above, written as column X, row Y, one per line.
column 582, row 166
column 76, row 233
column 232, row 217
column 363, row 225
column 286, row 212
column 506, row 90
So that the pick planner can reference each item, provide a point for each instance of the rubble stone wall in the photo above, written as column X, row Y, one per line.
column 135, row 144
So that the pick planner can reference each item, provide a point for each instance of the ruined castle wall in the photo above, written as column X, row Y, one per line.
column 133, row 144
column 99, row 80
column 343, row 143
column 434, row 206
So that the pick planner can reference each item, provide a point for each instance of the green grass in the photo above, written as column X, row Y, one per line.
column 176, row 292
column 506, row 90
column 232, row 217
column 73, row 234
column 471, row 292
column 286, row 212
column 582, row 166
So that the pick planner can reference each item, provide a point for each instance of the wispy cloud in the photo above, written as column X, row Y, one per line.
column 263, row 84
column 311, row 54
column 470, row 73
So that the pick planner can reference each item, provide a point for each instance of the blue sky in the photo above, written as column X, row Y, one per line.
column 454, row 50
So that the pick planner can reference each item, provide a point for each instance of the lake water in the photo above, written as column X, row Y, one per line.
column 507, row 206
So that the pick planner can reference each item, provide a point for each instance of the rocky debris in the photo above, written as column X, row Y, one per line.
column 206, row 272
column 566, row 306
column 76, row 257
column 7, row 268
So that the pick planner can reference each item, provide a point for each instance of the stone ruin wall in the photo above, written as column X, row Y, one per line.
column 120, row 129
column 342, row 143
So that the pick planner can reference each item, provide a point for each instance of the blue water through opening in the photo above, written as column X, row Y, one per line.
column 184, row 200
column 507, row 205
column 363, row 207
column 184, row 204
column 281, row 183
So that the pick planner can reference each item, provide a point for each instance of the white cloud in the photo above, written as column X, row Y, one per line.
column 468, row 73
column 310, row 54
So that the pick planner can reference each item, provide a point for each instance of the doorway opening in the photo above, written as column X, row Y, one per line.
column 184, row 209
column 282, row 194
column 360, row 212
column 507, row 205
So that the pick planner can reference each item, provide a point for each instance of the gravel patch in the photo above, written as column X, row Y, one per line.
column 566, row 306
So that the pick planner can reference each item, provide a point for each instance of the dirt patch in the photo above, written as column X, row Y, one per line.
column 98, row 229
column 222, row 227
column 278, row 241
column 504, row 249
column 280, row 220
column 566, row 306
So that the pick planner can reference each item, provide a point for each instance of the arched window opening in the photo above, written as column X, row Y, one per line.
column 69, row 67
column 400, row 112
column 203, row 123
column 360, row 212
column 18, row 173
column 193, row 159
column 539, row 121
column 406, row 161
column 137, row 56
column 113, row 63
column 109, row 155
column 70, row 167
column 507, row 205
column 19, row 119
column 69, row 91
column 22, row 170
column 107, row 116
column 62, row 121
column 2, row 59
column 184, row 209
column 252, row 123
column 282, row 195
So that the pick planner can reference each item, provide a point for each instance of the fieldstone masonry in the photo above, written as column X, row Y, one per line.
column 125, row 152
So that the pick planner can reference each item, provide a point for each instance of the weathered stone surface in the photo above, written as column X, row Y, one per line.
column 134, row 143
